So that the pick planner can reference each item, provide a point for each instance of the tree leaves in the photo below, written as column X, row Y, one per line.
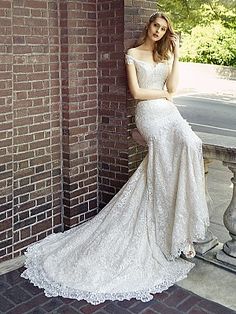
column 187, row 14
column 207, row 29
column 212, row 43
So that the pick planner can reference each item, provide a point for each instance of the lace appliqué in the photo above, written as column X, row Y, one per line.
column 131, row 248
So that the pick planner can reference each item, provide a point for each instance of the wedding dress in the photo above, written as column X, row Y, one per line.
column 132, row 247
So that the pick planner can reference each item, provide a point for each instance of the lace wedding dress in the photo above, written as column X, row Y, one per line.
column 132, row 247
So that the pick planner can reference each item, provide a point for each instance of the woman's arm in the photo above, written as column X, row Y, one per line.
column 143, row 93
column 173, row 77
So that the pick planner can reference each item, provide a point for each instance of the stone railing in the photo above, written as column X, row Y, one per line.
column 221, row 148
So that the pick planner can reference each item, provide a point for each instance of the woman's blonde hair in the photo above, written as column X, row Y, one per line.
column 165, row 46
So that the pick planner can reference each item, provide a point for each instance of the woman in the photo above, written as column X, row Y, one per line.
column 176, row 176
column 132, row 248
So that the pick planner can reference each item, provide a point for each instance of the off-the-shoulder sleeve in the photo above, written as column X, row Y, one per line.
column 129, row 59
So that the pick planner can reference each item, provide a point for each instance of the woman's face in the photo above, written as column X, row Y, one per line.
column 157, row 29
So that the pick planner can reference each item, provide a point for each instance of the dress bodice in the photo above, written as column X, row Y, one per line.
column 150, row 75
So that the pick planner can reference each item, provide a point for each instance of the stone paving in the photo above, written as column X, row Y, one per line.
column 18, row 296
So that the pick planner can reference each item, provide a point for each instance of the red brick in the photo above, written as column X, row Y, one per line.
column 23, row 68
column 5, row 224
column 36, row 4
column 21, row 30
column 188, row 303
column 25, row 233
column 24, row 243
column 212, row 307
column 5, row 4
column 41, row 226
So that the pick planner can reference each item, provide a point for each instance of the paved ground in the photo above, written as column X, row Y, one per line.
column 18, row 296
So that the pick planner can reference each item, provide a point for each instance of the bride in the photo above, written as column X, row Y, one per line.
column 132, row 248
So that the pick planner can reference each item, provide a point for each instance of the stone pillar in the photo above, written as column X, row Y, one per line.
column 210, row 240
column 228, row 253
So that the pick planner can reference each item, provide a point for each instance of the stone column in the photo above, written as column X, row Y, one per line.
column 210, row 240
column 228, row 253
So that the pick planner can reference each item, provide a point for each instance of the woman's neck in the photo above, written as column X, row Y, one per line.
column 148, row 45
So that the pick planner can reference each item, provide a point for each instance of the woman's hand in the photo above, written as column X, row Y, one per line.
column 169, row 96
column 173, row 76
column 176, row 47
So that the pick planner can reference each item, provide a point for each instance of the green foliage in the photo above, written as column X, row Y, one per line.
column 222, row 11
column 187, row 14
column 207, row 29
column 210, row 44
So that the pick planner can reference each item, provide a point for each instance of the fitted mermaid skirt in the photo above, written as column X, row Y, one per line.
column 132, row 247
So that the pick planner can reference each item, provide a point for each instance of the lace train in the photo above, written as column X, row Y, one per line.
column 132, row 247
column 39, row 278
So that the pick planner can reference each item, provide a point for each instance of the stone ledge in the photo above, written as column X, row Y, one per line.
column 218, row 147
column 12, row 264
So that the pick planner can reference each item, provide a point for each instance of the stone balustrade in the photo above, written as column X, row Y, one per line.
column 223, row 148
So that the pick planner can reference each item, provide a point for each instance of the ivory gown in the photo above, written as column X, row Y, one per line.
column 132, row 247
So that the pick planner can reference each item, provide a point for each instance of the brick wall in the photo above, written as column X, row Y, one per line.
column 6, row 131
column 136, row 15
column 119, row 25
column 31, row 124
column 65, row 120
column 113, row 133
column 79, row 109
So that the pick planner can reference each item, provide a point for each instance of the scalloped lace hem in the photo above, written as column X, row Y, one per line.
column 53, row 289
